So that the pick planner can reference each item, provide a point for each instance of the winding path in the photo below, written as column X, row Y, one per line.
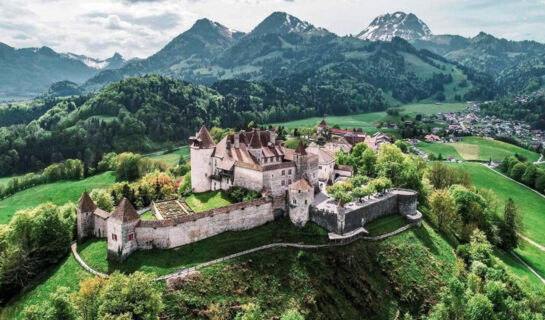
column 336, row 243
column 528, row 266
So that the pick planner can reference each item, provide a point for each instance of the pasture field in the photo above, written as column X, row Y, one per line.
column 170, row 158
column 477, row 148
column 58, row 193
column 368, row 121
column 532, row 256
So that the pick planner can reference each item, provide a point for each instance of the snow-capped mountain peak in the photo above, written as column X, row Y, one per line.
column 397, row 24
column 114, row 62
column 283, row 23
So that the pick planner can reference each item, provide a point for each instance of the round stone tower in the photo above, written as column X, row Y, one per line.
column 202, row 148
column 301, row 196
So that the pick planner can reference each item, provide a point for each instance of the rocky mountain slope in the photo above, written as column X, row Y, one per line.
column 285, row 48
column 397, row 24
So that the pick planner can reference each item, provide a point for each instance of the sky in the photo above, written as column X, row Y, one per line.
column 139, row 28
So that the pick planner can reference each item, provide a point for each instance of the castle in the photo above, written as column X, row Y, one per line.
column 290, row 182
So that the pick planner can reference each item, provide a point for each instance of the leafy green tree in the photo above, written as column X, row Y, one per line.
column 103, row 199
column 512, row 223
column 479, row 307
column 443, row 211
column 251, row 311
column 390, row 162
column 518, row 171
column 292, row 314
column 134, row 294
column 368, row 162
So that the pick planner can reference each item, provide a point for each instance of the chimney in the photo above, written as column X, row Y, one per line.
column 228, row 143
column 237, row 140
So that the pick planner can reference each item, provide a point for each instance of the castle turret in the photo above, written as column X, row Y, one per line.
column 122, row 231
column 301, row 161
column 255, row 146
column 85, row 216
column 202, row 148
column 301, row 196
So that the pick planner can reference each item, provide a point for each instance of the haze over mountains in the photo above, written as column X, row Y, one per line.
column 284, row 47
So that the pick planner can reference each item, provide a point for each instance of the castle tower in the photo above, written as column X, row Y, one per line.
column 301, row 161
column 85, row 216
column 202, row 148
column 122, row 231
column 301, row 196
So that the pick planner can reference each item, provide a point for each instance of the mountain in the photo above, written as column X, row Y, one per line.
column 398, row 24
column 115, row 62
column 27, row 72
column 284, row 49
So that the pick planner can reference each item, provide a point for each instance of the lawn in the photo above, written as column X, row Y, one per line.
column 385, row 224
column 208, row 200
column 477, row 148
column 147, row 216
column 170, row 158
column 367, row 121
column 58, row 192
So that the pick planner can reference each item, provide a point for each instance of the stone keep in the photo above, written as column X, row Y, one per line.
column 202, row 148
column 301, row 195
column 85, row 216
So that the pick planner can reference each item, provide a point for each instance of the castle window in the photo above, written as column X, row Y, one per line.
column 283, row 172
column 320, row 167
column 289, row 171
column 306, row 201
column 289, row 181
column 294, row 201
column 114, row 236
column 283, row 183
column 131, row 236
column 266, row 160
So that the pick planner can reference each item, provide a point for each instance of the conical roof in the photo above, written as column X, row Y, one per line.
column 125, row 212
column 86, row 204
column 301, row 148
column 205, row 139
column 323, row 124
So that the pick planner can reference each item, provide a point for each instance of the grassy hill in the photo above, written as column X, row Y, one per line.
column 58, row 193
column 170, row 158
column 477, row 148
column 365, row 279
column 368, row 121
column 529, row 203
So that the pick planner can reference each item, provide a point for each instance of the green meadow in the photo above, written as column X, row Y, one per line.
column 170, row 158
column 58, row 193
column 368, row 121
column 477, row 148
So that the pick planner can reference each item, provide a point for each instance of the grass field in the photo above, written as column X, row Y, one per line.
column 477, row 148
column 170, row 158
column 530, row 204
column 57, row 192
column 517, row 268
column 367, row 121
column 208, row 200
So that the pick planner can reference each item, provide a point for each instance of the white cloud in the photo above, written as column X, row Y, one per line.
column 99, row 28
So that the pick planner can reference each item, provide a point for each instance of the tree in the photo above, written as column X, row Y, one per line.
column 87, row 300
column 134, row 294
column 251, row 311
column 368, row 162
column 292, row 314
column 512, row 223
column 517, row 171
column 443, row 210
column 479, row 307
column 126, row 166
column 390, row 162
column 103, row 199
column 529, row 176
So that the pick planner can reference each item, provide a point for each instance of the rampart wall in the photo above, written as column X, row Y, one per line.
column 172, row 233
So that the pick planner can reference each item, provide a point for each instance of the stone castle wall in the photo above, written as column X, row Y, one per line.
column 397, row 201
column 166, row 234
column 248, row 178
column 201, row 170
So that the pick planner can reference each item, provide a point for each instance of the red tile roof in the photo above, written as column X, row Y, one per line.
column 125, row 212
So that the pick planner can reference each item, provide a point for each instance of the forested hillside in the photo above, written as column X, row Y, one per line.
column 285, row 49
column 147, row 113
